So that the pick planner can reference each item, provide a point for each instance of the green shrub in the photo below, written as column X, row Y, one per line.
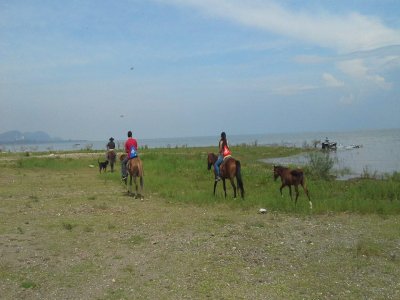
column 320, row 165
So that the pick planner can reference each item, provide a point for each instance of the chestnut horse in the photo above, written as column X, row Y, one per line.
column 291, row 177
column 111, row 158
column 229, row 169
column 135, row 169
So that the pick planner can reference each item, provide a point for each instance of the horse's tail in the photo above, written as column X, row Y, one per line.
column 239, row 177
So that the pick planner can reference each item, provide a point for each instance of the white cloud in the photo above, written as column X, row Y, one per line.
column 291, row 90
column 342, row 33
column 331, row 81
column 357, row 69
column 348, row 99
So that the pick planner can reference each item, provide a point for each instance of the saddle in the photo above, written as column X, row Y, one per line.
column 226, row 158
column 222, row 165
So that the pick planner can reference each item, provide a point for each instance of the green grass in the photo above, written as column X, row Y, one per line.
column 181, row 175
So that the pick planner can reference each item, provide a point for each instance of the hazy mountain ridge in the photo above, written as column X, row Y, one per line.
column 15, row 136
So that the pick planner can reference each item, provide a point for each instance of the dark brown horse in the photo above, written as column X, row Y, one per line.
column 111, row 155
column 229, row 169
column 291, row 177
column 135, row 170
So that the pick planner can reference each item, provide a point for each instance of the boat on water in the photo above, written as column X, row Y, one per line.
column 328, row 145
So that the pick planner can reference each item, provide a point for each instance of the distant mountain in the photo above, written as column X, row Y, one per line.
column 15, row 136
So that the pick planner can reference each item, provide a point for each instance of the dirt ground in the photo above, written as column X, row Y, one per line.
column 77, row 235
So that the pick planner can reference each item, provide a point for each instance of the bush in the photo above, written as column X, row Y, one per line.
column 320, row 164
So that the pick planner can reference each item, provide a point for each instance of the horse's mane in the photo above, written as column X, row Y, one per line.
column 280, row 167
column 213, row 155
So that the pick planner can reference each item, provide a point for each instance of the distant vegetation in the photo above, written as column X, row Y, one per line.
column 15, row 136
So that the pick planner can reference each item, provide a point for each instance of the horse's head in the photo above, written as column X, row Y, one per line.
column 276, row 172
column 122, row 157
column 211, row 159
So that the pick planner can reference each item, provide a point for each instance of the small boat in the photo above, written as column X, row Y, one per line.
column 327, row 145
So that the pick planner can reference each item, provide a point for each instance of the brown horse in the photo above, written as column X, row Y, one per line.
column 135, row 170
column 291, row 177
column 111, row 155
column 229, row 169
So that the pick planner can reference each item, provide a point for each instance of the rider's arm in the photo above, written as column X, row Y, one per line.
column 221, row 150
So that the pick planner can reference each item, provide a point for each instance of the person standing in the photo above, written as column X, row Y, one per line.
column 223, row 151
column 130, row 146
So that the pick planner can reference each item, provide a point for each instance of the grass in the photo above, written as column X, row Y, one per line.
column 67, row 231
column 180, row 175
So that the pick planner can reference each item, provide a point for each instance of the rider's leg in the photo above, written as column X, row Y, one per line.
column 216, row 166
column 124, row 172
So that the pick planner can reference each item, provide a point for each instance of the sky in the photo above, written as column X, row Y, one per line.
column 87, row 69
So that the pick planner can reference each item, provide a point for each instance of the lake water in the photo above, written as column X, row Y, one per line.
column 378, row 153
column 379, row 149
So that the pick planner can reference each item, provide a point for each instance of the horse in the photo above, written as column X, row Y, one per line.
column 111, row 158
column 229, row 169
column 135, row 169
column 291, row 177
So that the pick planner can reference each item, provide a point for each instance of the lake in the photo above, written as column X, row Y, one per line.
column 378, row 152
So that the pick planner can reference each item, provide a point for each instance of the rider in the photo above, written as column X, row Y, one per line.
column 129, row 143
column 223, row 151
column 110, row 154
column 110, row 146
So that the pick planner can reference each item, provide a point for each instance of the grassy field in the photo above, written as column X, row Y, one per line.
column 68, row 232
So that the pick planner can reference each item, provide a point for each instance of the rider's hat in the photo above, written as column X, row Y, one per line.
column 111, row 138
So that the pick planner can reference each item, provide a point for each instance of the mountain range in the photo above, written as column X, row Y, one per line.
column 15, row 136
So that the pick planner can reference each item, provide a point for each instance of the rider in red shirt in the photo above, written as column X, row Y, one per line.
column 130, row 142
column 128, row 145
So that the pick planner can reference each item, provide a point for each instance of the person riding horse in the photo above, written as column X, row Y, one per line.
column 110, row 155
column 223, row 152
column 130, row 147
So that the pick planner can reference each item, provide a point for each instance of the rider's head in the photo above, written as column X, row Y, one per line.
column 129, row 133
column 223, row 135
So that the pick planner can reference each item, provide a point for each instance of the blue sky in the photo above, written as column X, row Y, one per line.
column 171, row 68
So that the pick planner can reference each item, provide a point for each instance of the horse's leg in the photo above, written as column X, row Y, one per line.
column 290, row 191
column 215, row 185
column 296, row 188
column 136, row 186
column 141, row 187
column 234, row 187
column 280, row 189
column 223, row 182
column 306, row 192
column 130, row 185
